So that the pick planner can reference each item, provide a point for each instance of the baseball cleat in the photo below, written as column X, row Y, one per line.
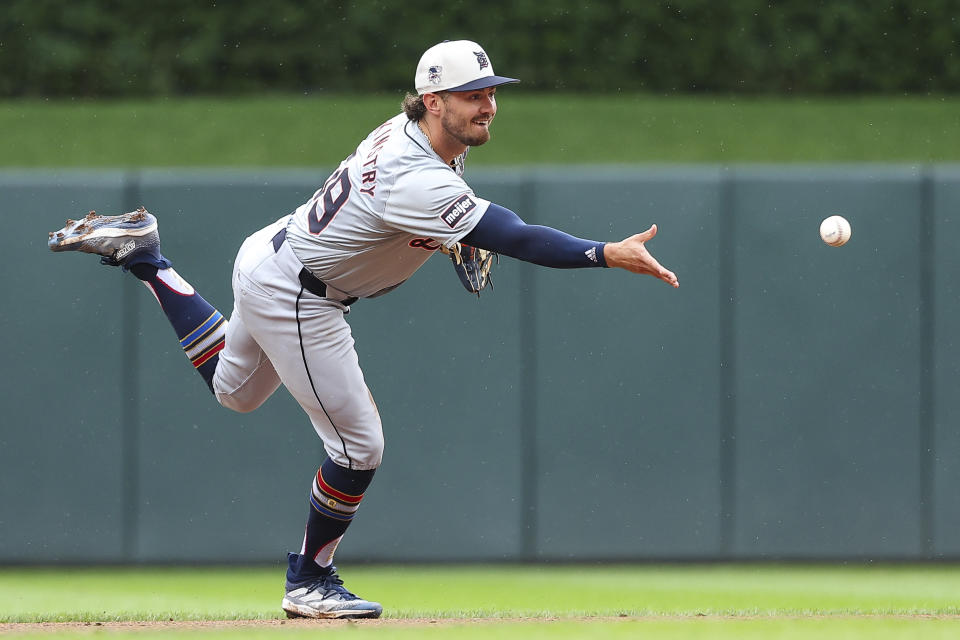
column 118, row 240
column 326, row 597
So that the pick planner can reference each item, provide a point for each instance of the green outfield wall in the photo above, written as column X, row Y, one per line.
column 789, row 401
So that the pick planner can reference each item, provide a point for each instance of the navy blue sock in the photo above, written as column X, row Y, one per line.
column 334, row 499
column 200, row 328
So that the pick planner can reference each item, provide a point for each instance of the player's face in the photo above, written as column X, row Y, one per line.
column 467, row 115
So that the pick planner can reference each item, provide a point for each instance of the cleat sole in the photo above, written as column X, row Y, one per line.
column 109, row 232
column 293, row 610
column 116, row 239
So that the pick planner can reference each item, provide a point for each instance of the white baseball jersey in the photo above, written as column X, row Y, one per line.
column 384, row 211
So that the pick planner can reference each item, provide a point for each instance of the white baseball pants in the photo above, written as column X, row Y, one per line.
column 281, row 333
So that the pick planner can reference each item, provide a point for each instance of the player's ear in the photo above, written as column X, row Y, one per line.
column 432, row 102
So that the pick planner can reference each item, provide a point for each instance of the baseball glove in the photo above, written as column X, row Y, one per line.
column 472, row 265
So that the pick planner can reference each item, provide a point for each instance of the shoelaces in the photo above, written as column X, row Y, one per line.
column 331, row 582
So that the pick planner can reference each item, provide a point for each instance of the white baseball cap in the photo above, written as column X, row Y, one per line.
column 456, row 65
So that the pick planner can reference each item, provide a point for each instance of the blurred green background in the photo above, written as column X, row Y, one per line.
column 101, row 48
column 100, row 83
column 789, row 401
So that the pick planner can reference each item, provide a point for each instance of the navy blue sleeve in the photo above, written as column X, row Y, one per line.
column 502, row 231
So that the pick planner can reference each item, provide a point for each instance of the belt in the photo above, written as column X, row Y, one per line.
column 310, row 282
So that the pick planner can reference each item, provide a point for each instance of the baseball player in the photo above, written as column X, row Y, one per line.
column 393, row 203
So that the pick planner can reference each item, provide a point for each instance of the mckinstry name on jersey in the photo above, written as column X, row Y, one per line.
column 384, row 211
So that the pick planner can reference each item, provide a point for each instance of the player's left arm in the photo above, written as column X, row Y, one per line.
column 502, row 231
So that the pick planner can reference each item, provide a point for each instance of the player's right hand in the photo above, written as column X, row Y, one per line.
column 631, row 254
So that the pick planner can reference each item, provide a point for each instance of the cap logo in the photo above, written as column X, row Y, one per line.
column 482, row 59
column 435, row 74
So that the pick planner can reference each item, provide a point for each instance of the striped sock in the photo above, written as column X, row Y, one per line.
column 200, row 327
column 334, row 499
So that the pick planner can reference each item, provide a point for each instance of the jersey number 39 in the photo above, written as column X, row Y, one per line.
column 332, row 197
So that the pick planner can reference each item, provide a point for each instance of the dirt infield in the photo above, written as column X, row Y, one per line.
column 303, row 623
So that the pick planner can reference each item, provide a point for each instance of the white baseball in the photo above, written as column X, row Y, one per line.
column 835, row 231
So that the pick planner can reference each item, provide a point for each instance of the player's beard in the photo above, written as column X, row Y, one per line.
column 460, row 131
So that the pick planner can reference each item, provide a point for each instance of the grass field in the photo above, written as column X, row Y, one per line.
column 294, row 131
column 683, row 601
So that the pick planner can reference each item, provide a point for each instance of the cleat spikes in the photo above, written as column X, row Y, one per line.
column 122, row 240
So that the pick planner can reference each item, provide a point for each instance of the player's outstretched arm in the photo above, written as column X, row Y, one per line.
column 502, row 231
column 631, row 254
